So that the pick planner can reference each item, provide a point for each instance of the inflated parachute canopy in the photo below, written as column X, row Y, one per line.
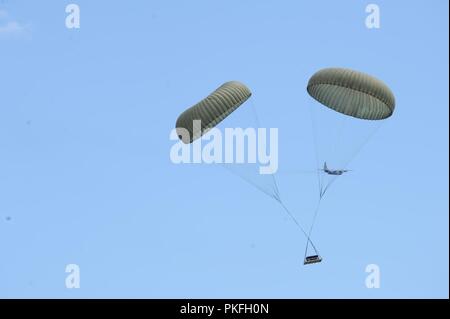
column 211, row 110
column 352, row 93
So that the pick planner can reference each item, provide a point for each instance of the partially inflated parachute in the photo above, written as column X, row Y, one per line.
column 210, row 111
column 352, row 93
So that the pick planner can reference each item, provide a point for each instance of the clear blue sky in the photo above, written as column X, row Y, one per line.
column 85, row 174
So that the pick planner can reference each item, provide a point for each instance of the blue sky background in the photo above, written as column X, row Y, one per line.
column 86, row 178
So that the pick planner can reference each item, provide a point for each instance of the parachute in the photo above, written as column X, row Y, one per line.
column 355, row 102
column 352, row 93
column 211, row 110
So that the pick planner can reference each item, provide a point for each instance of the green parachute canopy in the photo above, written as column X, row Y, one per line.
column 211, row 110
column 352, row 93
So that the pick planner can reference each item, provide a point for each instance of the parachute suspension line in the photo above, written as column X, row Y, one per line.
column 316, row 213
column 338, row 138
column 316, row 148
column 365, row 141
column 298, row 225
column 352, row 156
column 258, row 124
column 355, row 153
column 276, row 194
column 273, row 190
column 324, row 188
column 255, row 114
column 328, row 186
column 277, row 197
column 272, row 195
column 311, row 228
column 319, row 180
